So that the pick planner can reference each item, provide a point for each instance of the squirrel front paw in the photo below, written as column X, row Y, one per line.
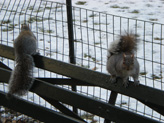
column 136, row 83
column 125, row 83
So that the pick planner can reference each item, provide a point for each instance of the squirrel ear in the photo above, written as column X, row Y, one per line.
column 132, row 55
column 124, row 55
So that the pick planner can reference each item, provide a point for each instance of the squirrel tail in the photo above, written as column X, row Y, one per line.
column 22, row 76
column 126, row 43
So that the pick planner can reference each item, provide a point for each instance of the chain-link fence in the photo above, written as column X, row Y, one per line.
column 93, row 31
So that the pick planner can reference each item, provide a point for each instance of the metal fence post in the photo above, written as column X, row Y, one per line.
column 71, row 39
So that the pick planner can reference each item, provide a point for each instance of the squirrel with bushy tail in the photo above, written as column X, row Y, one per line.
column 22, row 76
column 121, row 61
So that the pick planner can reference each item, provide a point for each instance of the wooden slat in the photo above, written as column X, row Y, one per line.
column 65, row 81
column 2, row 65
column 36, row 111
column 144, row 93
column 86, row 103
column 62, row 108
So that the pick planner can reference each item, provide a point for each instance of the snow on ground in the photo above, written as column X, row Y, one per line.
column 105, row 24
column 149, row 10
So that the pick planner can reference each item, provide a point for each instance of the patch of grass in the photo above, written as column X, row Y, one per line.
column 85, row 21
column 135, row 11
column 154, row 77
column 45, row 31
column 49, row 31
column 6, row 21
column 11, row 26
column 123, row 103
column 115, row 6
column 85, row 66
column 31, row 8
column 152, row 19
column 75, row 20
column 77, row 41
column 96, row 23
column 89, row 56
column 41, row 29
column 6, row 29
column 94, row 59
column 124, row 7
column 48, row 8
column 39, row 10
column 34, row 19
column 93, row 15
column 97, row 43
column 58, row 6
column 143, row 73
column 81, row 3
column 85, row 56
column 31, row 19
column 156, row 38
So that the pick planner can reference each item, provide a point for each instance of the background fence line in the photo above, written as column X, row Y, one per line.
column 92, row 33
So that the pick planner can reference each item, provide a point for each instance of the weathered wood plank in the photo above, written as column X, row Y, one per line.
column 62, row 108
column 86, row 103
column 35, row 111
column 4, row 66
column 144, row 93
column 65, row 81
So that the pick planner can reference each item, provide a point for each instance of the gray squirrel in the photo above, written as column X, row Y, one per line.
column 121, row 61
column 22, row 77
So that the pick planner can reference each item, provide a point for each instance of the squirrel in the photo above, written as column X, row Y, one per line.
column 121, row 61
column 22, row 77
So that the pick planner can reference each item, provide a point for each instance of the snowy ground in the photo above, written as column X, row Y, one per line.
column 148, row 10
column 95, row 29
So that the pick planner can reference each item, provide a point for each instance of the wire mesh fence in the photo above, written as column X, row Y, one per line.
column 93, row 32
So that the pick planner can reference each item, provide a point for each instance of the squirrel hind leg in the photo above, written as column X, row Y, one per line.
column 136, row 81
column 126, row 82
column 113, row 79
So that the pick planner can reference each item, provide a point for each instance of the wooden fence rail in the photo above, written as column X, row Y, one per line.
column 45, row 88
